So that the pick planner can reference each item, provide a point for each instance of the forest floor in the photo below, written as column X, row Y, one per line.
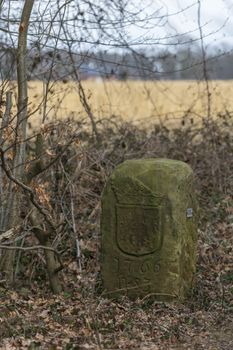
column 31, row 317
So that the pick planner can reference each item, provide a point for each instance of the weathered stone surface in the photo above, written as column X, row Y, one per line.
column 149, row 230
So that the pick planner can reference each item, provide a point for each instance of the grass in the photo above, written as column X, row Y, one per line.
column 137, row 101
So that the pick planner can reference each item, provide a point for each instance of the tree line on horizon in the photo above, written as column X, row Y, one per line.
column 181, row 63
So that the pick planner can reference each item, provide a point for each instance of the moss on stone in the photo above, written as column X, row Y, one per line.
column 149, row 230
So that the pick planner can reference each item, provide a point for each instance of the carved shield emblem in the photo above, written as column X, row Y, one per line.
column 138, row 230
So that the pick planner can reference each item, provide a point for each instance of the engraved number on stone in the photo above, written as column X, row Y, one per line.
column 135, row 266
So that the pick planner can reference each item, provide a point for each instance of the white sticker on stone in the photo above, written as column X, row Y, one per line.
column 189, row 212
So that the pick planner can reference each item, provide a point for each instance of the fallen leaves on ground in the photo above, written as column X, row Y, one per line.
column 80, row 318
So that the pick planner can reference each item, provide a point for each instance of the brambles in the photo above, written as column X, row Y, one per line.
column 73, row 186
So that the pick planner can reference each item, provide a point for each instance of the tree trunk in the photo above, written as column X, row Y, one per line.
column 14, row 197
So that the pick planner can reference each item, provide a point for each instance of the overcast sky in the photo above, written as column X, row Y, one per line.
column 177, row 17
column 216, row 18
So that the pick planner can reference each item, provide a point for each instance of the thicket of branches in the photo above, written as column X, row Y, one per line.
column 42, row 204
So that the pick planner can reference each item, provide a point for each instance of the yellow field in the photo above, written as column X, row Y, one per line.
column 138, row 101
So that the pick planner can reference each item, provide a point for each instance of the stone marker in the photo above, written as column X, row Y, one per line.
column 149, row 231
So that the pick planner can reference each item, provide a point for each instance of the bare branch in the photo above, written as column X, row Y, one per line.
column 28, row 190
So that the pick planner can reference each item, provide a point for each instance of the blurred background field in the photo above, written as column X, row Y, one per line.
column 142, row 102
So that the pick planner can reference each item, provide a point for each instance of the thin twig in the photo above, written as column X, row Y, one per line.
column 58, row 155
column 2, row 246
column 9, row 233
column 26, row 189
column 37, row 247
column 204, row 62
column 78, row 254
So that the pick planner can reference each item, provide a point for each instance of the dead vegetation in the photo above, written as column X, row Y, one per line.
column 70, row 190
column 161, row 100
